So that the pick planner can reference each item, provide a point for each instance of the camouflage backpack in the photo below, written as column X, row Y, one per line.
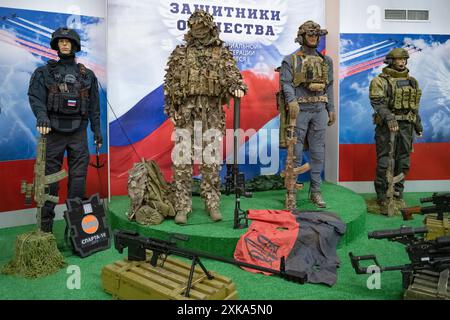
column 150, row 199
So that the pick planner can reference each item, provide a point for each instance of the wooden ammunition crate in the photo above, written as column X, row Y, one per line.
column 436, row 228
column 428, row 285
column 131, row 280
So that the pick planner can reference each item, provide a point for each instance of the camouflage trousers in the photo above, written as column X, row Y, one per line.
column 402, row 151
column 198, row 136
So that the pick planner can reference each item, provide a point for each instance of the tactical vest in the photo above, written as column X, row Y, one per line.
column 68, row 98
column 404, row 94
column 203, row 72
column 313, row 73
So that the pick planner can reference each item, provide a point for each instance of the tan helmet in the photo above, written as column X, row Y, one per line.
column 396, row 53
column 309, row 28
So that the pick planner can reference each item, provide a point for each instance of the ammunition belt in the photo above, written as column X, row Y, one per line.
column 313, row 99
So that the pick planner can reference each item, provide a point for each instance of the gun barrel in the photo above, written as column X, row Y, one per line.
column 426, row 199
column 394, row 233
column 125, row 239
column 437, row 198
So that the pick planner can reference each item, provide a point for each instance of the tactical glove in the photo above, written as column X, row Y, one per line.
column 393, row 125
column 43, row 121
column 43, row 124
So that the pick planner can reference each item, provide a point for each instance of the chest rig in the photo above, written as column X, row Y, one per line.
column 313, row 73
column 68, row 97
column 403, row 93
column 203, row 72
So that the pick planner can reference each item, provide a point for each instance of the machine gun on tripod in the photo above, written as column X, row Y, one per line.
column 430, row 255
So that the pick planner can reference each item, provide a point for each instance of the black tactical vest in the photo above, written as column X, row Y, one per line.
column 68, row 98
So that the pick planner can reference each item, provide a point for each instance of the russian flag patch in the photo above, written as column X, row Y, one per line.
column 71, row 103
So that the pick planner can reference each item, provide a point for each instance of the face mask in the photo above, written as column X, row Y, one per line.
column 200, row 31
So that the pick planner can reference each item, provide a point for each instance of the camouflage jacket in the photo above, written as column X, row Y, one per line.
column 200, row 71
column 392, row 94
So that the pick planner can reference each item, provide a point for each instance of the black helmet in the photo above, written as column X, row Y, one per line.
column 66, row 33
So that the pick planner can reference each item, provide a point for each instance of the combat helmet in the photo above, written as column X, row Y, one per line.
column 66, row 33
column 396, row 53
column 309, row 28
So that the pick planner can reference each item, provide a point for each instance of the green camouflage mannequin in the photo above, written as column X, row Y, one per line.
column 395, row 97
column 201, row 77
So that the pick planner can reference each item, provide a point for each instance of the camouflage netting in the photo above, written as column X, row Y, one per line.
column 374, row 207
column 150, row 196
column 36, row 255
column 265, row 183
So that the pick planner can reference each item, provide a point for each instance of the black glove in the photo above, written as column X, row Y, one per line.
column 43, row 121
column 98, row 137
column 392, row 125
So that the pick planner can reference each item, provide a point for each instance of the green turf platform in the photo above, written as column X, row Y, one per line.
column 220, row 238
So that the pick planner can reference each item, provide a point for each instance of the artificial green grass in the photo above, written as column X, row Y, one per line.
column 250, row 286
column 220, row 238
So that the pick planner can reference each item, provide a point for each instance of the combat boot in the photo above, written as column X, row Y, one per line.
column 181, row 217
column 47, row 225
column 214, row 213
column 316, row 198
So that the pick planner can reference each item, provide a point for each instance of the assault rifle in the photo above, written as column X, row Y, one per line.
column 441, row 205
column 433, row 255
column 41, row 182
column 390, row 178
column 138, row 245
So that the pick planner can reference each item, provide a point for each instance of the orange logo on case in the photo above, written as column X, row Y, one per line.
column 89, row 224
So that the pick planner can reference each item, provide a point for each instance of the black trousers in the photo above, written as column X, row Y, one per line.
column 76, row 145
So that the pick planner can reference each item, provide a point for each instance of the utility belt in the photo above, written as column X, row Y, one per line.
column 411, row 117
column 312, row 99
